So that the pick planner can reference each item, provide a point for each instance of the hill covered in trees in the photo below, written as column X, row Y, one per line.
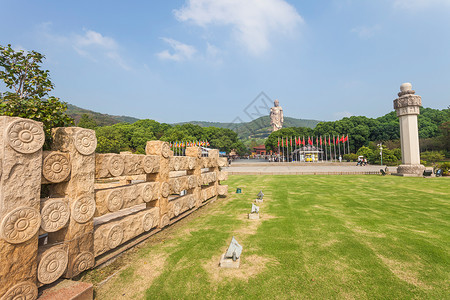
column 256, row 129
column 100, row 119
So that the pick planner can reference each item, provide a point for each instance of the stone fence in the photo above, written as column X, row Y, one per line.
column 95, row 205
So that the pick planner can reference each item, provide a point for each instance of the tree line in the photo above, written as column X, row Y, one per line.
column 434, row 125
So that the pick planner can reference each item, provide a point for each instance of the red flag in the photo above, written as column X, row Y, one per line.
column 278, row 142
column 329, row 140
column 342, row 139
column 346, row 138
column 287, row 142
column 309, row 141
column 291, row 141
column 337, row 140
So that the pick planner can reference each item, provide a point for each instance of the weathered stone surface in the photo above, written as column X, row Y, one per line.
column 23, row 290
column 208, row 177
column 228, row 263
column 55, row 166
column 110, row 235
column 114, row 165
column 52, row 264
column 80, row 252
column 180, row 205
column 253, row 216
column 178, row 163
column 20, row 183
column 222, row 190
column 222, row 162
column 68, row 289
column 222, row 175
column 55, row 214
column 208, row 193
column 114, row 199
column 416, row 170
column 85, row 141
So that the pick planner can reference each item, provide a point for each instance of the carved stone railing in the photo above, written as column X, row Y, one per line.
column 98, row 205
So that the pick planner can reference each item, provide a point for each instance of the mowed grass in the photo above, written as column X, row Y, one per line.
column 320, row 237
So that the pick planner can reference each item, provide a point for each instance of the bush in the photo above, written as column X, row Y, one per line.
column 350, row 157
column 445, row 167
column 432, row 156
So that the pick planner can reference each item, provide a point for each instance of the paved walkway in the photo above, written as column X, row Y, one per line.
column 254, row 167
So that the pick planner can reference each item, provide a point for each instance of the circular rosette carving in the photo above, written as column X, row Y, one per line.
column 149, row 163
column 191, row 202
column 147, row 221
column 115, row 236
column 56, row 167
column 52, row 265
column 85, row 142
column 116, row 165
column 165, row 221
column 176, row 186
column 115, row 200
column 25, row 136
column 165, row 189
column 192, row 182
column 83, row 261
column 176, row 163
column 83, row 209
column 54, row 215
column 165, row 149
column 147, row 192
column 191, row 163
column 176, row 209
column 24, row 290
column 20, row 225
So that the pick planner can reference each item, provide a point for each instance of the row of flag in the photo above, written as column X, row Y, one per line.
column 319, row 141
column 184, row 144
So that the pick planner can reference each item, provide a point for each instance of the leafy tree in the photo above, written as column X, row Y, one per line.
column 29, row 84
column 87, row 121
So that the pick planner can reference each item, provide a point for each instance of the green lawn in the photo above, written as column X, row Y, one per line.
column 321, row 237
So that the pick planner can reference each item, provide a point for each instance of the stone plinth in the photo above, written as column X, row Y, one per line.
column 407, row 106
column 229, row 263
column 69, row 290
column 259, row 200
column 253, row 216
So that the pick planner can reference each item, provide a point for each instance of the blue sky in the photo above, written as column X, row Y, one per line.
column 205, row 60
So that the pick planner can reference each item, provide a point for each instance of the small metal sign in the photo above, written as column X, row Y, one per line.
column 234, row 250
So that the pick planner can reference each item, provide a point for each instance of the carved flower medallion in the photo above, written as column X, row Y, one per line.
column 56, row 167
column 52, row 265
column 54, row 215
column 115, row 236
column 115, row 200
column 147, row 221
column 116, row 165
column 24, row 290
column 85, row 142
column 147, row 192
column 20, row 225
column 84, row 261
column 83, row 209
column 25, row 136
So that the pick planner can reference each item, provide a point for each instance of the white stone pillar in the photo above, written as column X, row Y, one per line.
column 407, row 106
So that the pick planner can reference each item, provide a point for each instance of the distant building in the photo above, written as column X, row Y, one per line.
column 260, row 150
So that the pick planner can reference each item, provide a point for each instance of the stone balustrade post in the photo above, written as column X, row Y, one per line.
column 21, row 142
column 78, row 236
column 196, row 153
column 162, row 149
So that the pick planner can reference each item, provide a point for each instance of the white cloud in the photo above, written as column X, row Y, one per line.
column 419, row 4
column 179, row 51
column 365, row 32
column 252, row 21
column 93, row 45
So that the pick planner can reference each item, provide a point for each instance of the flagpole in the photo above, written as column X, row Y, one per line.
column 282, row 147
column 326, row 151
column 348, row 144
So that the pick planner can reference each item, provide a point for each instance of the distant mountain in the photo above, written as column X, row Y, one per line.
column 258, row 128
column 102, row 119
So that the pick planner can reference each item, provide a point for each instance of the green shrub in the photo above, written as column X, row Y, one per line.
column 432, row 156
column 350, row 157
column 445, row 167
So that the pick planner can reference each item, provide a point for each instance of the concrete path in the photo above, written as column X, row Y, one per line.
column 258, row 167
